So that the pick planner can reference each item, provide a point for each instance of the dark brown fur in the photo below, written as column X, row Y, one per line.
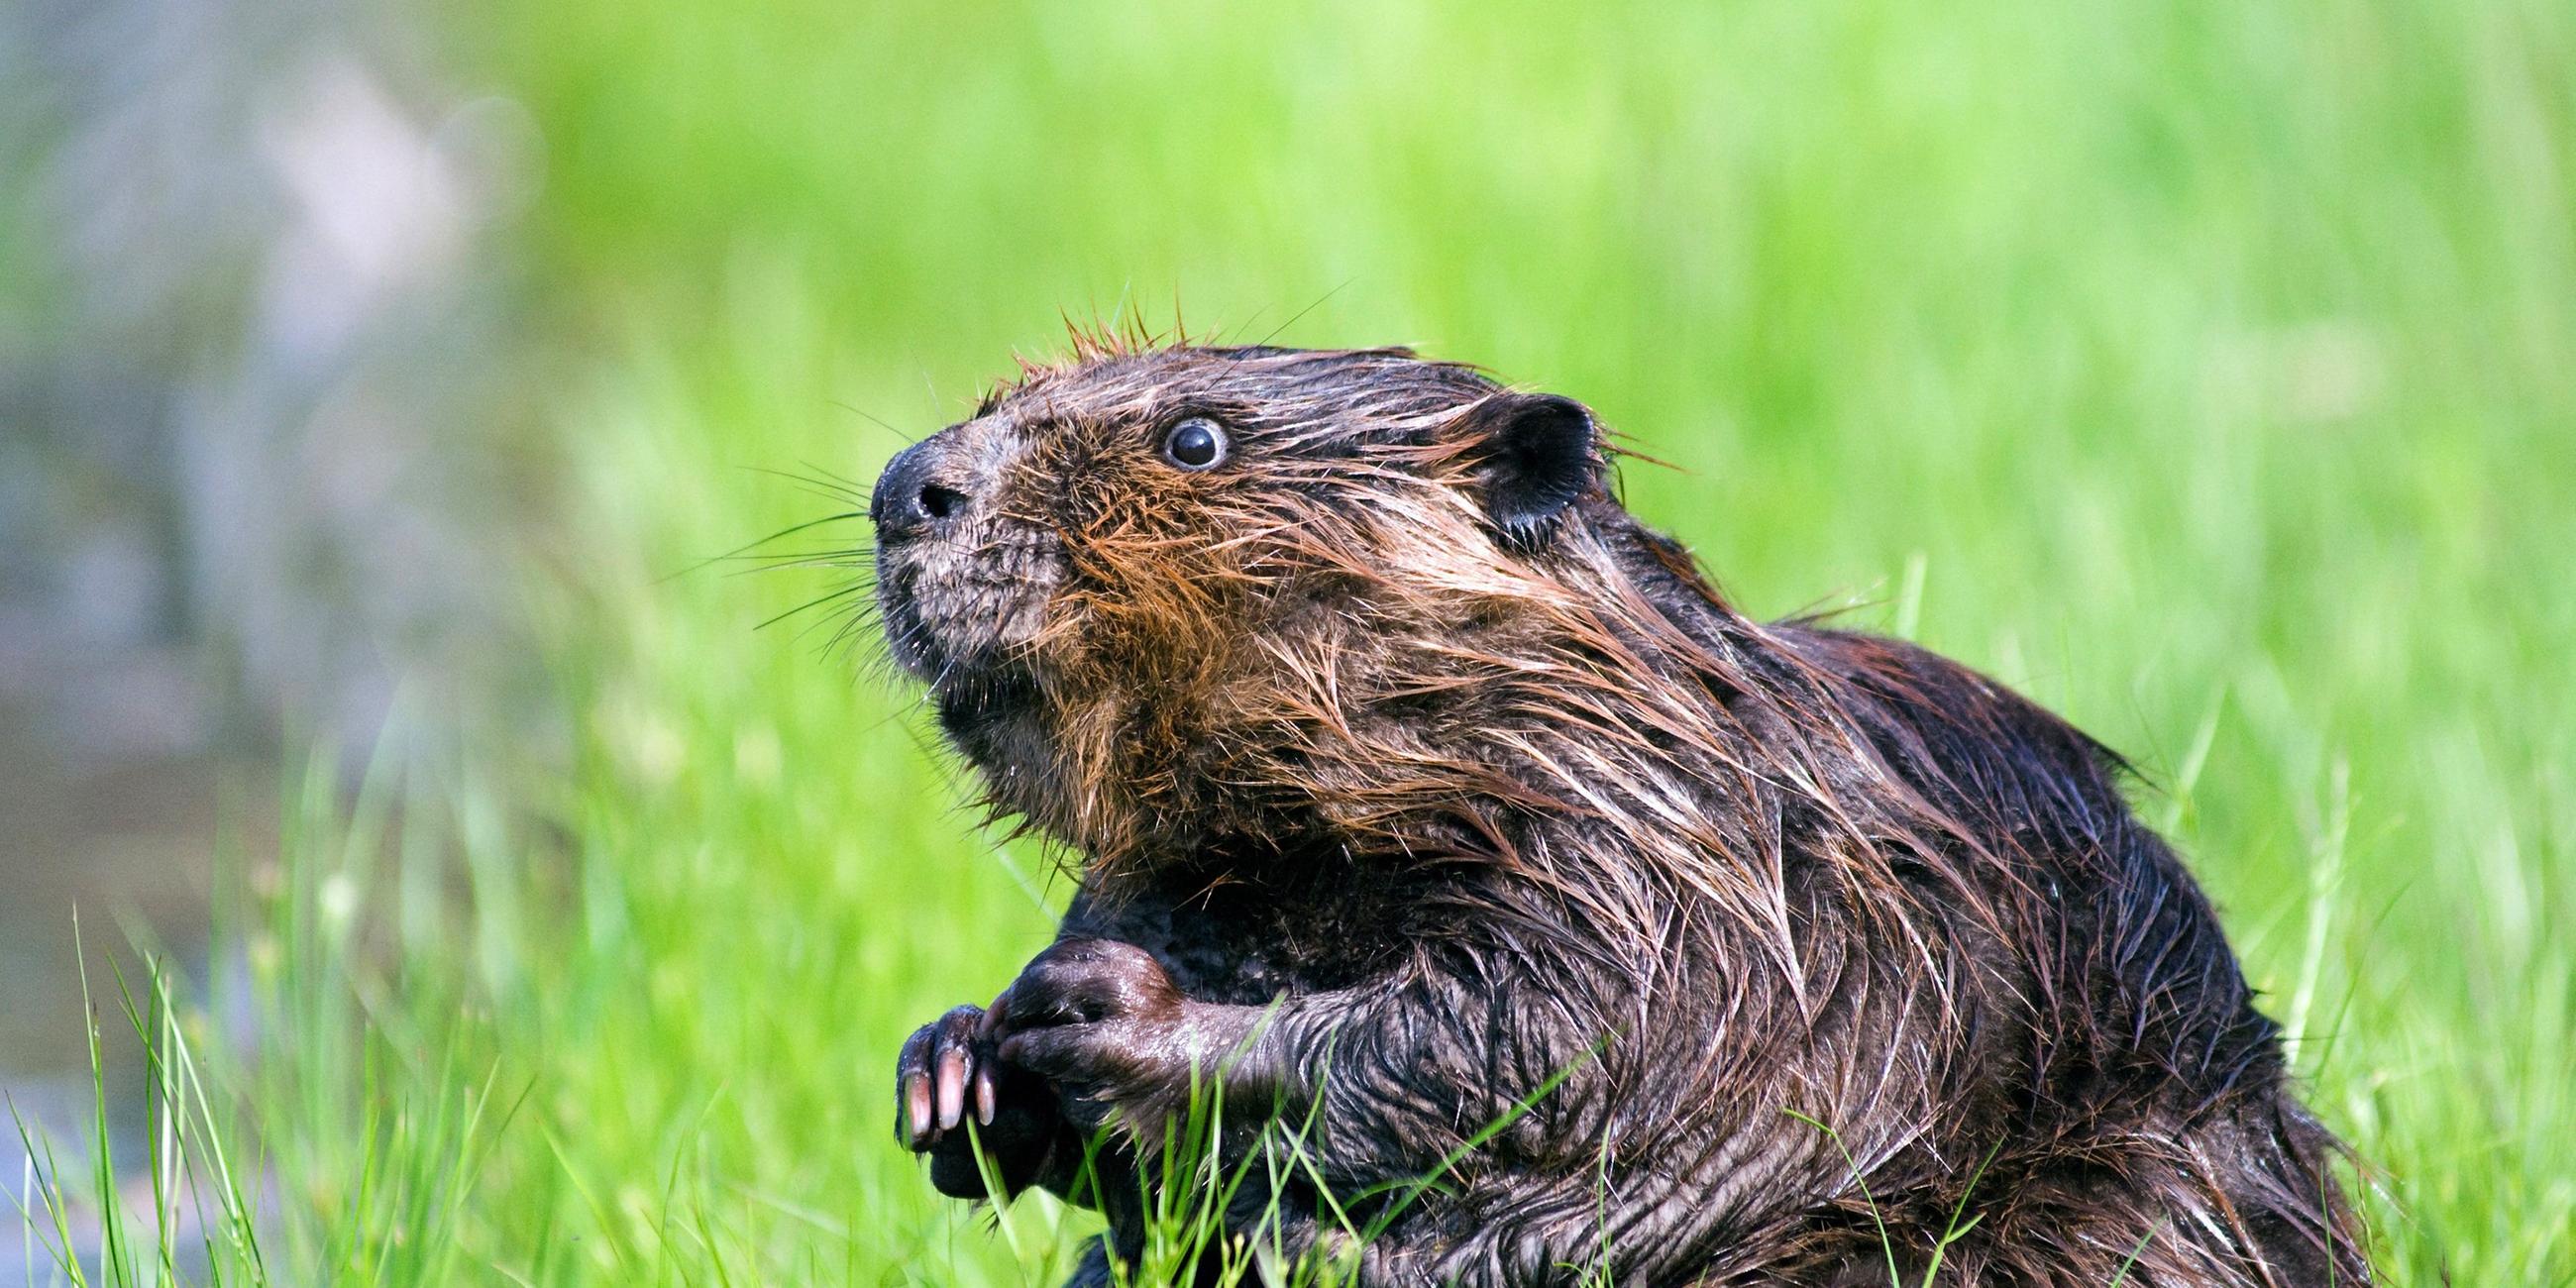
column 1396, row 724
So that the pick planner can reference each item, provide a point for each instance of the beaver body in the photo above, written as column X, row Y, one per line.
column 1452, row 813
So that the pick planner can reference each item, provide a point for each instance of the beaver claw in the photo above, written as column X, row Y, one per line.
column 950, row 1068
column 932, row 1078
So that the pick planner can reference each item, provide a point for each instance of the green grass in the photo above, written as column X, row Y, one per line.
column 2206, row 369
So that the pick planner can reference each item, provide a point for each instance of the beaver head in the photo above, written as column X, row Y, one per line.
column 1189, row 597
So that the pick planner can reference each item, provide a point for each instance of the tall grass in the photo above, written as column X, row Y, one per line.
column 2202, row 368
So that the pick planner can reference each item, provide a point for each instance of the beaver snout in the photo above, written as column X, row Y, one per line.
column 962, row 578
column 915, row 497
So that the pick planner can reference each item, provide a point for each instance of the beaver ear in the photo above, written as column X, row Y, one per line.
column 1536, row 454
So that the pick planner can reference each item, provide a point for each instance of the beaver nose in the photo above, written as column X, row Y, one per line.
column 907, row 503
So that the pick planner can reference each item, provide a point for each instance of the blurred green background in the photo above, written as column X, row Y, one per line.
column 2207, row 370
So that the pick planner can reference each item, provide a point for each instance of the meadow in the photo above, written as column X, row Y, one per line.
column 2206, row 370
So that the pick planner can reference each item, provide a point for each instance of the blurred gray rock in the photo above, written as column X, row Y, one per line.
column 258, row 486
column 255, row 478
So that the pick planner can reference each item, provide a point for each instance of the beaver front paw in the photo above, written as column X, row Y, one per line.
column 950, row 1070
column 1104, row 1021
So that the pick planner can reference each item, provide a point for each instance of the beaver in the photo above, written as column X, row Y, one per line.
column 1424, row 800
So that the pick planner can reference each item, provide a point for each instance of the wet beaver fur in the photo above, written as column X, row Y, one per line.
column 1406, row 771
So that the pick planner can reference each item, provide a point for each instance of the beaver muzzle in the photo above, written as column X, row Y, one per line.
column 961, row 583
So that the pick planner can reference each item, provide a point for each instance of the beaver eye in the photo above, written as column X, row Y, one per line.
column 1195, row 444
